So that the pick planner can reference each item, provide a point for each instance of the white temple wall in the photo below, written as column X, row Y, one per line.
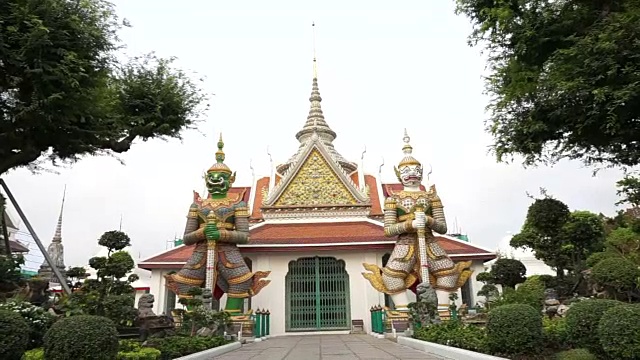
column 362, row 295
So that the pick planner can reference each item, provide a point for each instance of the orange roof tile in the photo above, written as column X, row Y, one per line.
column 329, row 234
column 257, row 200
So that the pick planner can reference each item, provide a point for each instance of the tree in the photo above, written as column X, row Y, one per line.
column 63, row 94
column 563, row 79
column 508, row 272
column 562, row 239
column 110, row 294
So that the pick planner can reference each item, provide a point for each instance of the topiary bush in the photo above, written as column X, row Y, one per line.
column 14, row 335
column 582, row 323
column 619, row 332
column 86, row 337
column 576, row 354
column 37, row 318
column 454, row 333
column 514, row 329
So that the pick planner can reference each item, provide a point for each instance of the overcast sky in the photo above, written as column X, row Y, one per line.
column 382, row 68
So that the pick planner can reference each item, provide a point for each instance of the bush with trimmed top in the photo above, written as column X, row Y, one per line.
column 582, row 323
column 86, row 337
column 619, row 332
column 14, row 335
column 514, row 329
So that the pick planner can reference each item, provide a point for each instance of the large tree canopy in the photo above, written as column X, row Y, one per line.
column 63, row 94
column 565, row 78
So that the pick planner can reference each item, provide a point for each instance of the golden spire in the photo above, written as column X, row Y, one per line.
column 220, row 166
column 407, row 149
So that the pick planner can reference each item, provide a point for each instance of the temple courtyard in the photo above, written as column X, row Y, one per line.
column 325, row 347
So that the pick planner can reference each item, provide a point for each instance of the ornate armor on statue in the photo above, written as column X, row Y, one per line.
column 215, row 226
column 404, row 213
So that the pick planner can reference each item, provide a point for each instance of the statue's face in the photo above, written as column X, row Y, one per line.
column 217, row 183
column 411, row 175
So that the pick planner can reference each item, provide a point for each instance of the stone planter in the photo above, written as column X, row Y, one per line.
column 447, row 352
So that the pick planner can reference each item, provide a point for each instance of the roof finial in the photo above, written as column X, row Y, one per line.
column 57, row 237
column 315, row 63
column 407, row 150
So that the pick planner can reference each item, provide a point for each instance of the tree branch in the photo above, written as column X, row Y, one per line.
column 22, row 158
column 123, row 145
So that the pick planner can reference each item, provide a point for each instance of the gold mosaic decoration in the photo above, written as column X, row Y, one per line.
column 316, row 184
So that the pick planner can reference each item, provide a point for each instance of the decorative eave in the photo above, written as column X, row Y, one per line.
column 315, row 143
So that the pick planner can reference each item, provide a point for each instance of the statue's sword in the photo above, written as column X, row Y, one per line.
column 422, row 249
column 211, row 271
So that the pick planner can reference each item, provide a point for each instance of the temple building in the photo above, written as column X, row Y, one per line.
column 314, row 222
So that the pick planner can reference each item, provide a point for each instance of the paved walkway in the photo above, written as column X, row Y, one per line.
column 325, row 347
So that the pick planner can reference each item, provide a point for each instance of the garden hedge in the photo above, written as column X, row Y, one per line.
column 84, row 337
column 582, row 323
column 514, row 329
column 14, row 335
column 576, row 354
column 619, row 332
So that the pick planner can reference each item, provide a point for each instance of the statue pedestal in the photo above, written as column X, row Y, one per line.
column 243, row 324
column 396, row 320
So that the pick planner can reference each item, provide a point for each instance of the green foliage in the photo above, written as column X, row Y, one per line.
column 554, row 332
column 114, row 240
column 629, row 190
column 563, row 81
column 109, row 295
column 485, row 277
column 576, row 354
column 625, row 241
column 531, row 293
column 132, row 350
column 619, row 332
column 582, row 322
column 65, row 94
column 37, row 319
column 617, row 275
column 514, row 329
column 176, row 346
column 84, row 337
column 14, row 335
column 561, row 239
column 34, row 354
column 10, row 276
column 508, row 272
column 595, row 258
column 456, row 334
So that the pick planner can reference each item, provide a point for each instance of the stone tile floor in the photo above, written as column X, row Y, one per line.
column 325, row 347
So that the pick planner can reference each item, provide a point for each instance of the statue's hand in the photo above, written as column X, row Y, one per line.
column 211, row 232
column 420, row 221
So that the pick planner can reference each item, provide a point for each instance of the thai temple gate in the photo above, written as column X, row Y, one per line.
column 331, row 241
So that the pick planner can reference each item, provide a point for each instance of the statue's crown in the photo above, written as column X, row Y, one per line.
column 407, row 149
column 220, row 166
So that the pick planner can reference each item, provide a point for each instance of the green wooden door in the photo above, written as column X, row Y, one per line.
column 317, row 295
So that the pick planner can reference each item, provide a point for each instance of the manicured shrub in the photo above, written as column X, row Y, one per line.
column 576, row 354
column 582, row 323
column 531, row 292
column 84, row 337
column 554, row 332
column 456, row 334
column 34, row 354
column 133, row 350
column 176, row 346
column 514, row 329
column 14, row 335
column 37, row 318
column 619, row 332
